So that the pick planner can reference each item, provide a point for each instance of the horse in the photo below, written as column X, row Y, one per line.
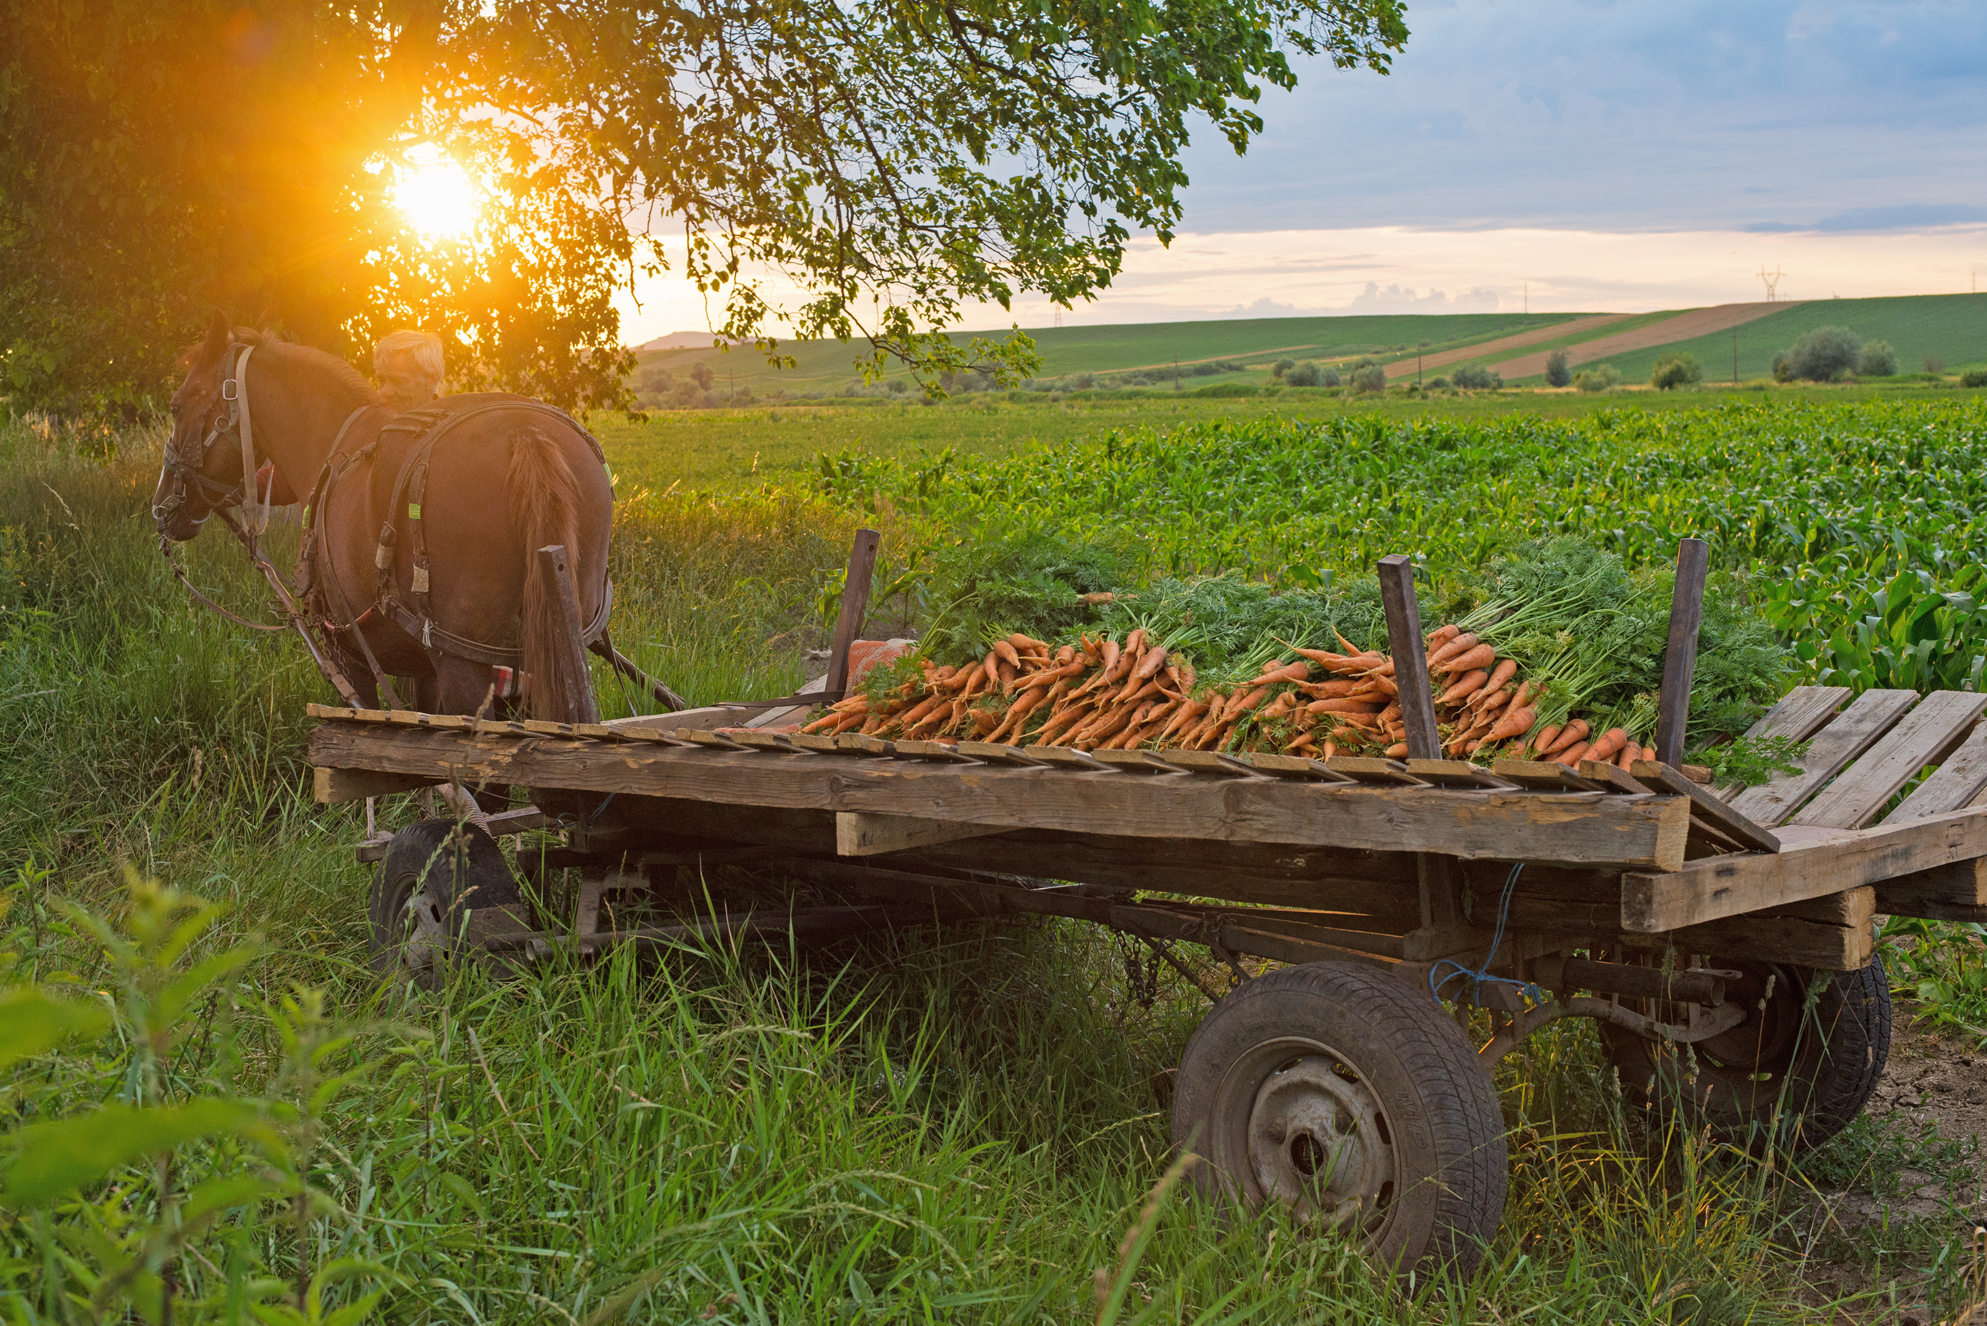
column 420, row 530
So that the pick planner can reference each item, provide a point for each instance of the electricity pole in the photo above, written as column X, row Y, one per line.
column 1417, row 361
column 1735, row 356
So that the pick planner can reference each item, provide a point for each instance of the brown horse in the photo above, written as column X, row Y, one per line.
column 435, row 561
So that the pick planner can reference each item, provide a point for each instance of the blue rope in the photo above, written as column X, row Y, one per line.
column 1481, row 976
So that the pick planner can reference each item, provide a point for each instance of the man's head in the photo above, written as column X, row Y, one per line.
column 408, row 368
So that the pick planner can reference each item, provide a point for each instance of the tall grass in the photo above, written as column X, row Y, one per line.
column 958, row 1126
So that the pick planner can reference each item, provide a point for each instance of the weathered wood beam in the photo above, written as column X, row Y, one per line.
column 1628, row 831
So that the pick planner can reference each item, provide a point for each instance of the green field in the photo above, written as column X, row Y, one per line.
column 956, row 1128
column 1951, row 327
column 826, row 366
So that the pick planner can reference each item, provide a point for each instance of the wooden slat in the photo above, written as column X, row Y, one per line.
column 1367, row 769
column 1854, row 731
column 860, row 834
column 1955, row 783
column 333, row 787
column 1455, row 773
column 1579, row 828
column 1926, row 733
column 1542, row 775
column 1800, row 712
column 1704, row 806
column 1279, row 766
column 1811, row 863
column 855, row 602
column 1224, row 766
column 1603, row 774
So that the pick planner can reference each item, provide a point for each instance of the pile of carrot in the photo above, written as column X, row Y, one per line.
column 1100, row 693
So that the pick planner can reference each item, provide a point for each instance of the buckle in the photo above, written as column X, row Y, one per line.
column 230, row 388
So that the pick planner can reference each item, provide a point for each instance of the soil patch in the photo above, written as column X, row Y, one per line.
column 1406, row 367
column 1685, row 326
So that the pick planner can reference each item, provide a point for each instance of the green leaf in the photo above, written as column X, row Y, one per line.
column 53, row 1158
column 32, row 1022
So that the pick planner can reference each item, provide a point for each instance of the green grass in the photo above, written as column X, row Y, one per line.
column 956, row 1127
column 1951, row 327
column 828, row 365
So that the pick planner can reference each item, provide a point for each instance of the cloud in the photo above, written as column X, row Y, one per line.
column 1395, row 299
column 1696, row 114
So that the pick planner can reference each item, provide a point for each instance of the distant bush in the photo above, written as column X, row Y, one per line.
column 1368, row 376
column 1475, row 377
column 1439, row 384
column 1598, row 378
column 1281, row 366
column 1934, row 364
column 1557, row 373
column 655, row 380
column 1973, row 377
column 1676, row 369
column 1083, row 382
column 1826, row 354
column 1303, row 375
column 898, row 386
column 1328, row 376
column 1878, row 360
column 701, row 374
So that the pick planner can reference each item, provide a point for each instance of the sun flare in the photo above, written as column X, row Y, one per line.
column 438, row 198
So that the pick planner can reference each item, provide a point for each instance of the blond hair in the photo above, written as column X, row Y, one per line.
column 424, row 347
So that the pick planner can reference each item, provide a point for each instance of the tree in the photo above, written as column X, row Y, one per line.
column 1601, row 377
column 1826, row 354
column 1303, row 375
column 1557, row 372
column 1678, row 368
column 1475, row 377
column 1368, row 376
column 1877, row 360
column 1281, row 366
column 898, row 161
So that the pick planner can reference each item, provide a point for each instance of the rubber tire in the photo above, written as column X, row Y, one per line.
column 1826, row 1060
column 449, row 869
column 1441, row 1109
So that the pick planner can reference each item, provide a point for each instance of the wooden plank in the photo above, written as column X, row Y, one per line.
column 1704, row 806
column 1680, row 652
column 1277, row 766
column 1366, row 769
column 1133, row 761
column 1456, row 773
column 1424, row 739
column 1810, row 864
column 767, row 741
column 855, row 602
column 1856, row 729
column 869, row 834
column 1607, row 775
column 570, row 640
column 1225, row 766
column 333, row 787
column 1581, row 827
column 1957, row 892
column 1840, row 939
column 1542, row 775
column 931, row 750
column 1926, row 733
column 994, row 752
column 1800, row 712
column 1955, row 783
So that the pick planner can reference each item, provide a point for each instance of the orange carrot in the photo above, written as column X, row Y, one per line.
column 1397, row 751
column 1547, row 735
column 1455, row 645
column 1515, row 723
column 1282, row 672
column 1332, row 690
column 1575, row 731
column 1609, row 745
column 1153, row 660
column 1440, row 636
column 1479, row 656
column 1005, row 652
column 1571, row 756
column 1502, row 673
column 1109, row 653
column 1464, row 685
column 1339, row 707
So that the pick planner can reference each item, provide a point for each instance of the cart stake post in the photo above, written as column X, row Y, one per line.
column 1424, row 740
column 552, row 561
column 855, row 602
column 1680, row 654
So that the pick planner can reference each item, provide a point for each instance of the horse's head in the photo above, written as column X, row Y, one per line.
column 199, row 475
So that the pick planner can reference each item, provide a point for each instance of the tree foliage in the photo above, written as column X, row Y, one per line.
column 898, row 161
column 1557, row 372
column 1678, row 368
column 1826, row 354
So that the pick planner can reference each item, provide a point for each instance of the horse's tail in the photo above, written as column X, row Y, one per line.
column 545, row 503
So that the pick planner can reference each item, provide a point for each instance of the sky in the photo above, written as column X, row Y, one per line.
column 1579, row 155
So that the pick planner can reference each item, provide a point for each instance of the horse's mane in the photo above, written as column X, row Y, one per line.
column 320, row 361
column 308, row 357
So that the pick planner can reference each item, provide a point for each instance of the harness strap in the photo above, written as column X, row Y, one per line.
column 255, row 502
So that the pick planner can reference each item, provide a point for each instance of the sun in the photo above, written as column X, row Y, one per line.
column 436, row 195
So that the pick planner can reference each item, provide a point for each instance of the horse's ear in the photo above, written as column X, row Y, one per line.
column 217, row 336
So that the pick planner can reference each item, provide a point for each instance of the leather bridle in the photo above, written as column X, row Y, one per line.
column 229, row 417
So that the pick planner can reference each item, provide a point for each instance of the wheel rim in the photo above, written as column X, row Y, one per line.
column 1296, row 1123
column 421, row 930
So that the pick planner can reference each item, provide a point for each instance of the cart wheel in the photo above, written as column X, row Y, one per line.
column 1811, row 1066
column 1352, row 1100
column 434, row 871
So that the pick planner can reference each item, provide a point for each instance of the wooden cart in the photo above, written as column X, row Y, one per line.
column 1740, row 927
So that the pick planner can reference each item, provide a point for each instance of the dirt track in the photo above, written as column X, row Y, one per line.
column 1683, row 327
column 1406, row 367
